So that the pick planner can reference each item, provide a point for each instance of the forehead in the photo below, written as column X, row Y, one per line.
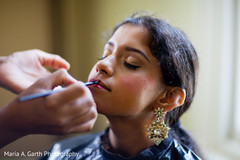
column 134, row 36
column 131, row 34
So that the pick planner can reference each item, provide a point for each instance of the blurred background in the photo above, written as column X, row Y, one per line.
column 78, row 29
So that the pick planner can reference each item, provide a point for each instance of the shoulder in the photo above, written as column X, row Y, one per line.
column 70, row 145
column 179, row 151
column 78, row 141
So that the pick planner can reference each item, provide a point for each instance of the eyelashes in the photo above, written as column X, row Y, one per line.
column 125, row 63
column 130, row 66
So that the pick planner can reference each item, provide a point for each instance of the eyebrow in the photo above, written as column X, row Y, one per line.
column 132, row 49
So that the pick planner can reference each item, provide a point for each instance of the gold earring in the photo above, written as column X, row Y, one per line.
column 158, row 131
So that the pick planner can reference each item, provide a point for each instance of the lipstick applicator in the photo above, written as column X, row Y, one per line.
column 38, row 95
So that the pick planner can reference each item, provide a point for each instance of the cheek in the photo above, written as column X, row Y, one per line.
column 138, row 85
column 130, row 82
column 136, row 93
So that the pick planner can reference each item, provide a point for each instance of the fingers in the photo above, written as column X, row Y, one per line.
column 60, row 77
column 72, row 93
column 61, row 113
column 52, row 60
column 75, row 109
column 84, row 122
column 81, row 123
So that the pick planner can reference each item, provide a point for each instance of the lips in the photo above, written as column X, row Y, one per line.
column 100, row 85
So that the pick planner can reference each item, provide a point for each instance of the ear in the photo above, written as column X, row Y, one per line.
column 173, row 97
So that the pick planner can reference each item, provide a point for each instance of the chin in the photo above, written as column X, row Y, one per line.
column 104, row 111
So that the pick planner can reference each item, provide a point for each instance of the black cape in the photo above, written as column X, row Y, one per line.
column 89, row 147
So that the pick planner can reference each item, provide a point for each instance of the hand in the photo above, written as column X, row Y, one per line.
column 21, row 69
column 69, row 111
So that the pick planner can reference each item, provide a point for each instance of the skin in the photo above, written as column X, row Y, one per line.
column 70, row 111
column 128, row 86
column 134, row 89
column 27, row 67
column 134, row 92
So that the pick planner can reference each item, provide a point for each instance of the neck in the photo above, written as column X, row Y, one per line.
column 128, row 137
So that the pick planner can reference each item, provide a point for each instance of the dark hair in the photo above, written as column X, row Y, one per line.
column 178, row 61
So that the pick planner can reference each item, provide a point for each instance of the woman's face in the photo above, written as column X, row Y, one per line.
column 128, row 74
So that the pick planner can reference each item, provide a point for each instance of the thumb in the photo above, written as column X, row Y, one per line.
column 52, row 60
column 60, row 77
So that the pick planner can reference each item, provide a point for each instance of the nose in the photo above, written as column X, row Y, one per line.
column 105, row 66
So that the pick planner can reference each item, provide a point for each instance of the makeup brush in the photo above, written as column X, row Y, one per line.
column 38, row 95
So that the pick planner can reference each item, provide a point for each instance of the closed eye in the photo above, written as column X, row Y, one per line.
column 130, row 66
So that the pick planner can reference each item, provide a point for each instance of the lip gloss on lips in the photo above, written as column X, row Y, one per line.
column 101, row 85
column 98, row 86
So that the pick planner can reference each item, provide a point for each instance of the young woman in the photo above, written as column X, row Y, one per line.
column 146, row 81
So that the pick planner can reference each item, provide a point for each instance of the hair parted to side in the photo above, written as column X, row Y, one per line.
column 178, row 62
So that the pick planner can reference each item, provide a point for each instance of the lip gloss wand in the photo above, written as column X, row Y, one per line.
column 38, row 95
